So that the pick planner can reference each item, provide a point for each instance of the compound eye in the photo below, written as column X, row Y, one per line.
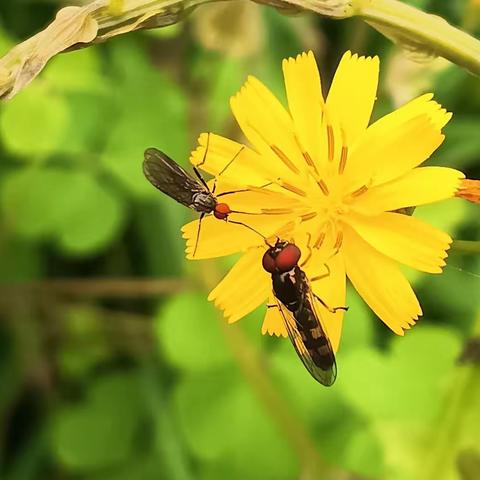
column 222, row 210
column 288, row 257
column 268, row 262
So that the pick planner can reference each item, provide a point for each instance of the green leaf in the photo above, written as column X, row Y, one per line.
column 35, row 200
column 205, row 408
column 307, row 398
column 152, row 112
column 358, row 324
column 225, row 79
column 188, row 331
column 95, row 217
column 78, row 71
column 462, row 143
column 100, row 432
column 72, row 205
column 33, row 123
column 20, row 260
column 85, row 132
column 224, row 424
column 364, row 454
column 405, row 384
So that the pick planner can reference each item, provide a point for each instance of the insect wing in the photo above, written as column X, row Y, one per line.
column 170, row 178
column 319, row 358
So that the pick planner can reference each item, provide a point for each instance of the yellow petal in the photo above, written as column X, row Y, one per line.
column 405, row 239
column 352, row 94
column 380, row 283
column 379, row 158
column 331, row 289
column 273, row 322
column 234, row 162
column 418, row 187
column 305, row 102
column 244, row 288
column 219, row 237
column 423, row 105
column 269, row 128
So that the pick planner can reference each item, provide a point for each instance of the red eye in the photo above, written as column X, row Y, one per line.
column 268, row 262
column 288, row 258
column 222, row 210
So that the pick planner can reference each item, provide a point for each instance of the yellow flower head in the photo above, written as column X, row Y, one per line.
column 319, row 176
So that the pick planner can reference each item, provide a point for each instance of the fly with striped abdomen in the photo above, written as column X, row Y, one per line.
column 296, row 302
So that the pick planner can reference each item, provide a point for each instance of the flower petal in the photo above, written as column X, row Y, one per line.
column 383, row 156
column 246, row 167
column 423, row 105
column 352, row 94
column 219, row 238
column 273, row 322
column 244, row 287
column 331, row 288
column 418, row 187
column 405, row 239
column 269, row 128
column 305, row 102
column 380, row 283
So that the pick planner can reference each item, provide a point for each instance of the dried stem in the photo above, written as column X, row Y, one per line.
column 77, row 27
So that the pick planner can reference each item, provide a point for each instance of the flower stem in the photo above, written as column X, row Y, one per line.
column 466, row 246
column 423, row 32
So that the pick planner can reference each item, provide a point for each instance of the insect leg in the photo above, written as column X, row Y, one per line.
column 330, row 309
column 309, row 254
column 225, row 167
column 206, row 150
column 199, row 176
column 243, row 190
column 198, row 233
column 195, row 168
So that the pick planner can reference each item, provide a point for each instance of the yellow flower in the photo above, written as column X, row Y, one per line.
column 320, row 176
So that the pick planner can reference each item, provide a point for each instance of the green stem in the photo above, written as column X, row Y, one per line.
column 422, row 31
column 466, row 246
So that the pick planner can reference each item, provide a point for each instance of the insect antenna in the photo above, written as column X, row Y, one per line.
column 252, row 229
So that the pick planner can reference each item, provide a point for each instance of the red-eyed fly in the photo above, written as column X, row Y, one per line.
column 295, row 301
column 170, row 178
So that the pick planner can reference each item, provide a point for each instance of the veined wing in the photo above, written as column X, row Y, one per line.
column 310, row 341
column 169, row 177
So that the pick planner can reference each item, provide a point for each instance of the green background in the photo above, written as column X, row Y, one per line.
column 113, row 364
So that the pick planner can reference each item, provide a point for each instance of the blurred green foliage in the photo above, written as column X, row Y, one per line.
column 128, row 386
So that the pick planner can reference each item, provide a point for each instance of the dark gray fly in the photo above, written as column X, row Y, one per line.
column 170, row 178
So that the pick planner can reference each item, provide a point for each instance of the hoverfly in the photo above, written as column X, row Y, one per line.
column 170, row 178
column 295, row 300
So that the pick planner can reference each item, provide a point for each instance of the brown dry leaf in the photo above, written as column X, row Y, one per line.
column 24, row 62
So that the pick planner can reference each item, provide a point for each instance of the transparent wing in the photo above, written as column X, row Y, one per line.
column 310, row 341
column 169, row 177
